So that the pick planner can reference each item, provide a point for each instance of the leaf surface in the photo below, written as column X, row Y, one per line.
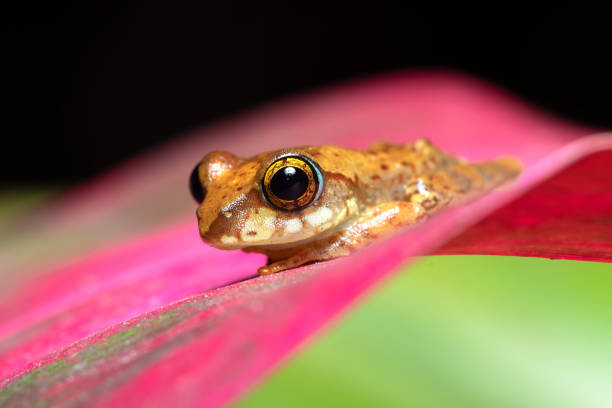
column 152, row 317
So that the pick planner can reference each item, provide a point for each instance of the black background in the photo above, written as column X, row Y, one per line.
column 90, row 85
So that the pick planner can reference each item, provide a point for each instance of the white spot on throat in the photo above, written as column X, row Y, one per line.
column 259, row 226
column 293, row 225
column 229, row 239
column 318, row 217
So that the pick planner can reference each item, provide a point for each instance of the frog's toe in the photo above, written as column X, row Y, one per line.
column 299, row 259
column 279, row 266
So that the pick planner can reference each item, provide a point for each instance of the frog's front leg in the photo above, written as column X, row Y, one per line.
column 375, row 222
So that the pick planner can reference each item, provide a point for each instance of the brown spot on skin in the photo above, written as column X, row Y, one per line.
column 239, row 189
column 429, row 204
column 252, row 233
column 384, row 167
column 409, row 164
column 257, row 211
column 375, row 177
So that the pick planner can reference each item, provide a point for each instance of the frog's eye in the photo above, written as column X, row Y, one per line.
column 292, row 182
column 198, row 191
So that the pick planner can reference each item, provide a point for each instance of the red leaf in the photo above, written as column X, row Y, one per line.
column 568, row 216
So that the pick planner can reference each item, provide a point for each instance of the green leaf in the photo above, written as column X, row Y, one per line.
column 463, row 331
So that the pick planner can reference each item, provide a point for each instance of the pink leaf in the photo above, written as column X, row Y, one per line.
column 103, row 329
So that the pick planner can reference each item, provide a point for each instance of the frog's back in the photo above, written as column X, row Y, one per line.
column 384, row 172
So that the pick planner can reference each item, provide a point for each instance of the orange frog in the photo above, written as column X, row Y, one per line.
column 315, row 203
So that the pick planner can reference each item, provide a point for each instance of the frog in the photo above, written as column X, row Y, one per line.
column 315, row 203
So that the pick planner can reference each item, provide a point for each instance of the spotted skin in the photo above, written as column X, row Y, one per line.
column 365, row 194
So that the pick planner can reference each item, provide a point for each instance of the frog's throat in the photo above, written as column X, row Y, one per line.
column 283, row 244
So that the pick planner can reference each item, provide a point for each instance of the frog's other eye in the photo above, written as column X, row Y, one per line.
column 292, row 182
column 198, row 191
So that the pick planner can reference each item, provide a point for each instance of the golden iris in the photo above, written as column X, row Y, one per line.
column 290, row 183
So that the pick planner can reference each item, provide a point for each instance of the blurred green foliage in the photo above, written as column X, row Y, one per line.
column 462, row 331
column 17, row 201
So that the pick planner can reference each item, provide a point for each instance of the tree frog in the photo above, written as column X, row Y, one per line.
column 316, row 203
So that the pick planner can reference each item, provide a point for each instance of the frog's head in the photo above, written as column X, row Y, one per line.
column 282, row 198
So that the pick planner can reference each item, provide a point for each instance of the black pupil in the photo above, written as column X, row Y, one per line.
column 289, row 183
column 195, row 186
